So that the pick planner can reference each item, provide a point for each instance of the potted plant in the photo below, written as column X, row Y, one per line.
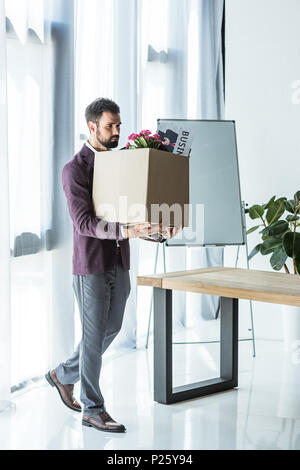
column 279, row 222
column 145, row 139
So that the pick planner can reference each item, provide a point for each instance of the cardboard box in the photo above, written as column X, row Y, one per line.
column 141, row 185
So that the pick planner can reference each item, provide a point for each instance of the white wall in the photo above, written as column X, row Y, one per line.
column 262, row 63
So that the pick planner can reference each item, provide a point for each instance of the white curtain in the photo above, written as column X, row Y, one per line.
column 106, row 59
column 156, row 59
column 210, row 98
column 36, row 318
column 25, row 15
column 5, row 326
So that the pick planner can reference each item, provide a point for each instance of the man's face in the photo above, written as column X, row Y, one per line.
column 107, row 131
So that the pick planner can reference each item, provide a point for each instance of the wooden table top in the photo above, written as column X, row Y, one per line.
column 251, row 284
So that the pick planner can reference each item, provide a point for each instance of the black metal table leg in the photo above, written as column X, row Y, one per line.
column 163, row 386
column 229, row 341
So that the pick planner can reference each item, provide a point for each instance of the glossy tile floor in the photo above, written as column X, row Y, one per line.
column 262, row 413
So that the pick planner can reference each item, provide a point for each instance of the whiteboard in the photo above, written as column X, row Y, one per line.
column 216, row 211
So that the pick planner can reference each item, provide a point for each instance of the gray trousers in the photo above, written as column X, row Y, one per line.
column 101, row 302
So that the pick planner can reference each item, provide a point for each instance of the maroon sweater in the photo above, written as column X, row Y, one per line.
column 94, row 240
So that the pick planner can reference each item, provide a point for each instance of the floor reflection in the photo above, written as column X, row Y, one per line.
column 262, row 413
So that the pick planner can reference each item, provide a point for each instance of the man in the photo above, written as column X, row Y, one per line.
column 101, row 263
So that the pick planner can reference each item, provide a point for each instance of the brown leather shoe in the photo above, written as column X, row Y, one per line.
column 103, row 422
column 65, row 391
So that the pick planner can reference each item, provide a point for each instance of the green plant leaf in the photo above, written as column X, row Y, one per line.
column 256, row 211
column 290, row 205
column 252, row 229
column 297, row 197
column 266, row 206
column 270, row 245
column 291, row 244
column 278, row 259
column 142, row 141
column 278, row 228
column 275, row 210
column 292, row 218
column 265, row 231
column 255, row 250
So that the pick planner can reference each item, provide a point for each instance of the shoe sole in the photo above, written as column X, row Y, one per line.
column 53, row 384
column 90, row 425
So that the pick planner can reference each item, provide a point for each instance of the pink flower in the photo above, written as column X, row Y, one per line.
column 132, row 136
column 147, row 137
column 127, row 145
column 146, row 132
column 157, row 136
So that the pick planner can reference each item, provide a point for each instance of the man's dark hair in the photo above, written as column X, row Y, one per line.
column 94, row 110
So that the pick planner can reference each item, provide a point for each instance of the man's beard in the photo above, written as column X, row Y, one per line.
column 109, row 143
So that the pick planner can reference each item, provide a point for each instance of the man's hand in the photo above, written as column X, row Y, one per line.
column 142, row 230
column 170, row 232
column 147, row 229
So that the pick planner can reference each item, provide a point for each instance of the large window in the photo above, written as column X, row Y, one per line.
column 40, row 110
column 29, row 126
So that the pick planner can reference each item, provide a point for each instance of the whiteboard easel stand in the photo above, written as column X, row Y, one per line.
column 155, row 267
column 236, row 261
